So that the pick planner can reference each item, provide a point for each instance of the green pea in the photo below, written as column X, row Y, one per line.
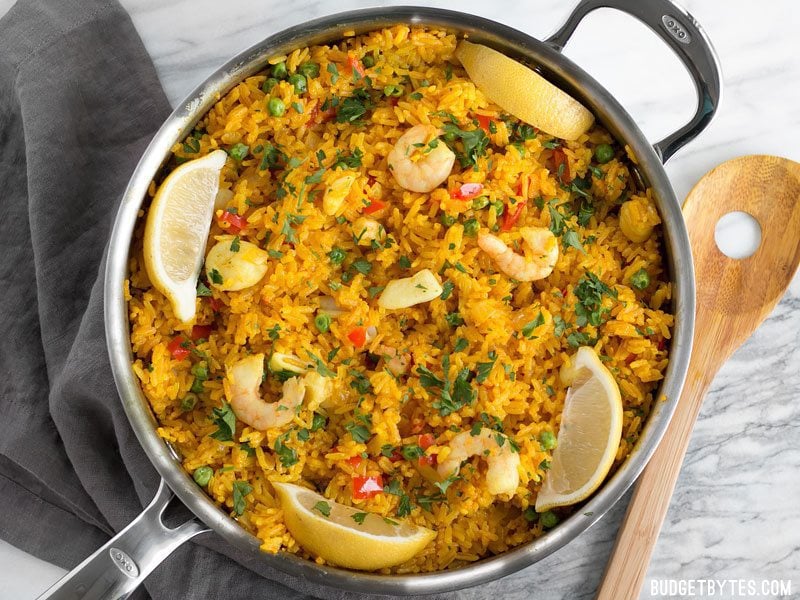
column 276, row 107
column 309, row 70
column 530, row 514
column 299, row 83
column 480, row 203
column 337, row 256
column 471, row 227
column 279, row 71
column 603, row 153
column 447, row 220
column 323, row 322
column 368, row 61
column 547, row 440
column 548, row 519
column 239, row 151
column 640, row 279
column 200, row 370
column 268, row 84
column 498, row 206
column 202, row 475
column 393, row 91
column 189, row 402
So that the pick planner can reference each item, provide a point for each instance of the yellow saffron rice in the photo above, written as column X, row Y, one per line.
column 516, row 335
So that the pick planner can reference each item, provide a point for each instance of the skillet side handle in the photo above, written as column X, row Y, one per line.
column 119, row 567
column 679, row 30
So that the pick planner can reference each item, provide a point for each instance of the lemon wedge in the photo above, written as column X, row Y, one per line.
column 523, row 92
column 177, row 228
column 588, row 439
column 347, row 536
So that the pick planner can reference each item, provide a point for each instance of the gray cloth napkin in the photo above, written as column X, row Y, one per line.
column 79, row 101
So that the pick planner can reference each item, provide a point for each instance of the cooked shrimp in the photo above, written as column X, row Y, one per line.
column 242, row 391
column 420, row 161
column 538, row 239
column 502, row 476
column 396, row 362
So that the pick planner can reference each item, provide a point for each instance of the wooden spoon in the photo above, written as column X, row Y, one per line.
column 733, row 298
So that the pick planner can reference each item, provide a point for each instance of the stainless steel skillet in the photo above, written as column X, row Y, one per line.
column 120, row 566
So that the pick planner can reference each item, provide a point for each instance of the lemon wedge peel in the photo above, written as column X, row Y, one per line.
column 375, row 543
column 524, row 93
column 177, row 229
column 589, row 436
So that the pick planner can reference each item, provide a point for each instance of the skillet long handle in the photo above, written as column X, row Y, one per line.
column 627, row 567
column 679, row 30
column 119, row 567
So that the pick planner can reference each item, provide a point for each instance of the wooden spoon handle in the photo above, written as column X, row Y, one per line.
column 637, row 536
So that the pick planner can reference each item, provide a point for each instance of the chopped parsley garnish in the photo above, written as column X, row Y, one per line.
column 472, row 147
column 483, row 369
column 240, row 490
column 559, row 326
column 460, row 345
column 404, row 506
column 202, row 290
column 225, row 420
column 387, row 450
column 287, row 230
column 404, row 262
column 528, row 328
column 447, row 289
column 443, row 485
column 215, row 276
column 323, row 507
column 287, row 455
column 358, row 432
column 272, row 332
column 318, row 421
column 322, row 368
column 453, row 395
column 589, row 292
column 315, row 177
column 412, row 451
column 331, row 68
column 350, row 110
column 362, row 265
column 271, row 158
column 303, row 435
column 454, row 319
column 235, row 244
column 426, row 502
column 276, row 254
column 359, row 517
column 352, row 161
column 360, row 382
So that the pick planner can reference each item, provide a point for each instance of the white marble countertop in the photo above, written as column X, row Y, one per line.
column 735, row 511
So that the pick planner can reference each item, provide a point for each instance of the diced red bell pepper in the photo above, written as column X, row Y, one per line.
column 396, row 455
column 467, row 191
column 426, row 440
column 630, row 358
column 394, row 101
column 179, row 347
column 358, row 336
column 427, row 460
column 560, row 158
column 510, row 217
column 367, row 486
column 201, row 332
column 355, row 64
column 230, row 222
column 318, row 115
column 483, row 122
column 354, row 461
column 374, row 206
column 662, row 343
column 216, row 305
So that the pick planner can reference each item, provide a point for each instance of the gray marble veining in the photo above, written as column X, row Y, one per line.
column 734, row 514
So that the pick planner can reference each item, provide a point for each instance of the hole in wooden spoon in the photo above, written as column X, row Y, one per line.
column 737, row 234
